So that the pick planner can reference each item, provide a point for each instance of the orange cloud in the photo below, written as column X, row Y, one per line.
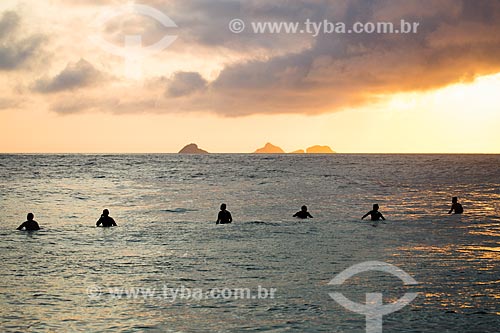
column 213, row 70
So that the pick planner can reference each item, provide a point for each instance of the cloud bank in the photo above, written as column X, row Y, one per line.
column 457, row 41
column 74, row 76
column 16, row 51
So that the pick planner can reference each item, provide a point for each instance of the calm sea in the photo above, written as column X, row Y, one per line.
column 168, row 268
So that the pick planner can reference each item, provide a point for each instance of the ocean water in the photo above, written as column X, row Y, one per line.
column 74, row 277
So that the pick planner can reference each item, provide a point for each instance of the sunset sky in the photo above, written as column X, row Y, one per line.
column 435, row 91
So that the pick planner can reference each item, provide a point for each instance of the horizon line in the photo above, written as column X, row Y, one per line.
column 247, row 153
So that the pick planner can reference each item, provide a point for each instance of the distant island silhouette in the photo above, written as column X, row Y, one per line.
column 192, row 148
column 269, row 148
column 319, row 150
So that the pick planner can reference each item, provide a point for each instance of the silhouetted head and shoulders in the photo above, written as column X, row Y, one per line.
column 30, row 224
column 456, row 207
column 303, row 213
column 224, row 215
column 106, row 220
column 374, row 213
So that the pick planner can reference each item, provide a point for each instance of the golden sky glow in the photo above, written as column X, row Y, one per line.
column 59, row 92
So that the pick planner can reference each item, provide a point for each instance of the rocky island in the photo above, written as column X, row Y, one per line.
column 319, row 150
column 192, row 148
column 269, row 149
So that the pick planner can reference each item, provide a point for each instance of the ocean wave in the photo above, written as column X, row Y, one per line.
column 262, row 223
column 179, row 210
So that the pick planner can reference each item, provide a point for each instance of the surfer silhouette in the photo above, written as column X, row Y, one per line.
column 106, row 220
column 456, row 206
column 224, row 216
column 375, row 214
column 303, row 213
column 30, row 224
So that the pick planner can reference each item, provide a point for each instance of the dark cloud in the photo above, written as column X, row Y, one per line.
column 16, row 51
column 9, row 22
column 202, row 23
column 185, row 83
column 74, row 76
column 457, row 41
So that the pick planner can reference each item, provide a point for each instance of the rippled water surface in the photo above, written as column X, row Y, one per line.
column 166, row 206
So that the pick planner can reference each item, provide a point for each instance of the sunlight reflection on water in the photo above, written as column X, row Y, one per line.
column 165, row 207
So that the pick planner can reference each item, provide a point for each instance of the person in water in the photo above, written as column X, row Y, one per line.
column 375, row 214
column 456, row 206
column 106, row 220
column 303, row 213
column 224, row 216
column 30, row 224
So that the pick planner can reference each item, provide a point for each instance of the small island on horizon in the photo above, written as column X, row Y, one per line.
column 269, row 148
column 319, row 150
column 192, row 148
